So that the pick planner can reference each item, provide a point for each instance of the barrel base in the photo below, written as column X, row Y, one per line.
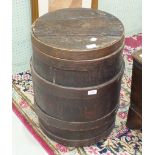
column 76, row 143
column 75, row 134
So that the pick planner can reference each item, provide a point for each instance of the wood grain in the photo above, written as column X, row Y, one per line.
column 34, row 10
column 94, row 4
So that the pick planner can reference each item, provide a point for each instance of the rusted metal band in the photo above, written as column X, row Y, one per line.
column 83, row 65
column 73, row 126
column 74, row 92
column 38, row 78
column 79, row 142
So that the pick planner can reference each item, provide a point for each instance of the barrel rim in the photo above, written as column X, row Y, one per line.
column 82, row 60
column 78, row 51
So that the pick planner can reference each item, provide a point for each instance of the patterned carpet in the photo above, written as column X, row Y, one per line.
column 122, row 140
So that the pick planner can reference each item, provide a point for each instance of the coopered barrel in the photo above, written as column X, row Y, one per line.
column 76, row 68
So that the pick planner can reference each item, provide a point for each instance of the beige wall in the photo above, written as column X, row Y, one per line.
column 43, row 5
column 60, row 4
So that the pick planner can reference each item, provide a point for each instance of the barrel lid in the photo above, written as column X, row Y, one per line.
column 78, row 30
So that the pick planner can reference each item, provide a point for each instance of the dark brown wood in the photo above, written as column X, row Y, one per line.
column 34, row 10
column 72, row 117
column 77, row 67
column 135, row 112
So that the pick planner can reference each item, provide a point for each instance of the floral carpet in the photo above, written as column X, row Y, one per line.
column 122, row 141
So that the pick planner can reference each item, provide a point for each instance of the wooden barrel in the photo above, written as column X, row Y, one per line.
column 76, row 68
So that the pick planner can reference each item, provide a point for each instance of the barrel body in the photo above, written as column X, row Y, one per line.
column 76, row 68
column 73, row 117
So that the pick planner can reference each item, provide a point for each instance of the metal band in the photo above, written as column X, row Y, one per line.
column 61, row 124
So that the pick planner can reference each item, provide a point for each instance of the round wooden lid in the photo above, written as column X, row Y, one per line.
column 79, row 30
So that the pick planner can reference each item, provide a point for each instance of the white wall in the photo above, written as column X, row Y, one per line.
column 21, row 38
column 86, row 3
column 128, row 11
column 43, row 7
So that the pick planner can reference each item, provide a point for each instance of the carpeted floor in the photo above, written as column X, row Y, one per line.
column 122, row 140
